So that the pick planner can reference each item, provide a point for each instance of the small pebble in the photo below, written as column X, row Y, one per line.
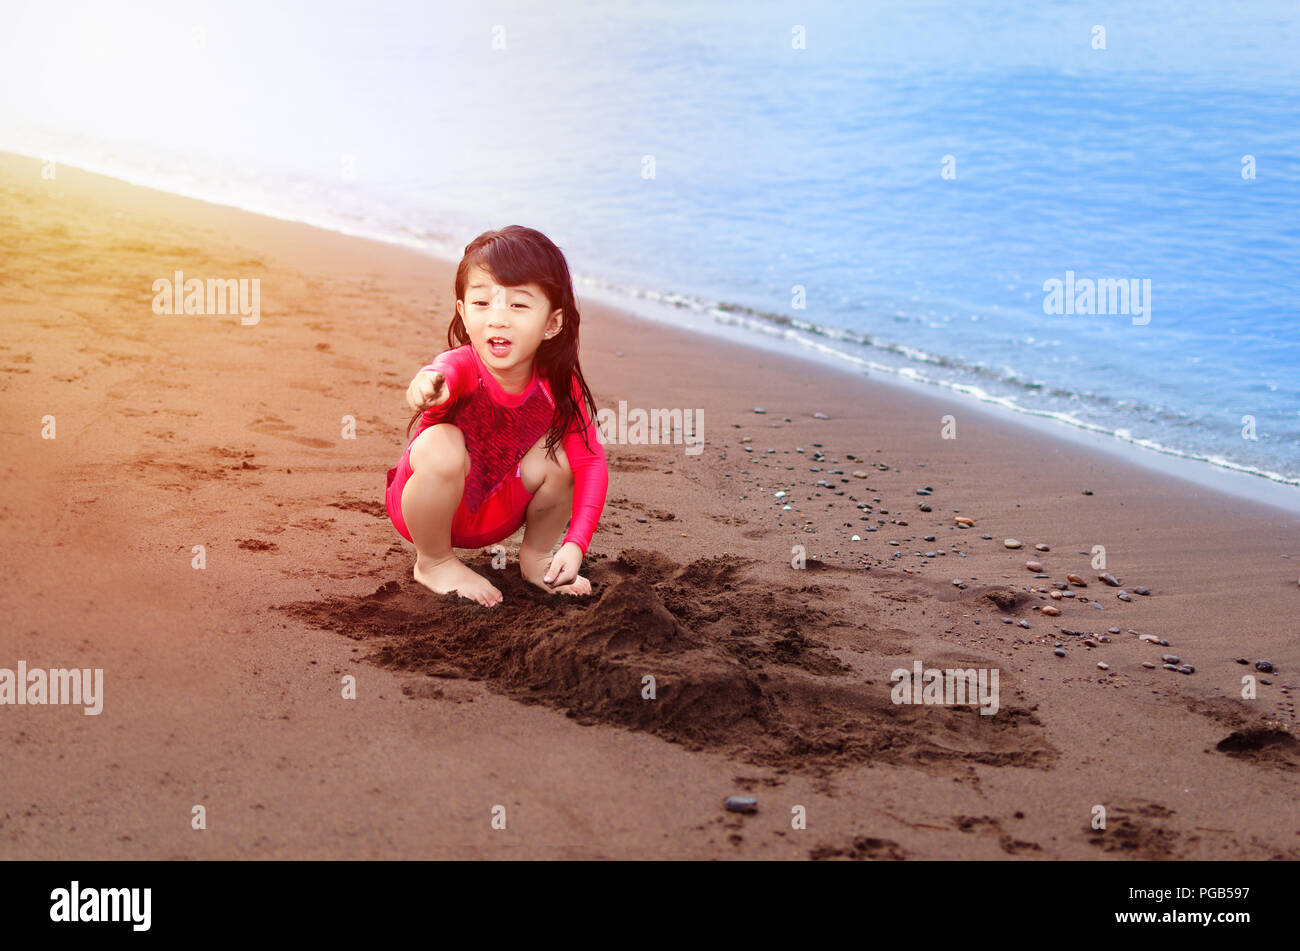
column 1058, row 652
column 1145, row 592
column 1034, row 566
column 1076, row 580
column 741, row 804
column 1012, row 543
column 1102, row 665
column 1187, row 669
column 1007, row 620
column 1171, row 658
column 1103, row 638
column 1264, row 666
column 1112, row 630
column 641, row 518
column 820, row 416
column 1050, row 611
column 1109, row 579
column 1041, row 547
column 1089, row 642
column 1242, row 660
column 1023, row 623
column 960, row 520
column 1171, row 667
column 759, row 410
column 987, row 538
column 1124, row 596
column 1055, row 595
column 1148, row 665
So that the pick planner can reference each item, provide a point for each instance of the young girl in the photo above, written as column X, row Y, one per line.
column 505, row 435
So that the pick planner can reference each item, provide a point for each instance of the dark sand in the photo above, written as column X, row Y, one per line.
column 223, row 686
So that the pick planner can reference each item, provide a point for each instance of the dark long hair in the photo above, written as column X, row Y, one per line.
column 517, row 255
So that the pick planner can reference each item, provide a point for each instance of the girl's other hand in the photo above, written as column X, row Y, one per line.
column 564, row 566
column 427, row 389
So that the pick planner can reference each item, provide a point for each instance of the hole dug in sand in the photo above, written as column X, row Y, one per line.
column 740, row 665
column 1263, row 745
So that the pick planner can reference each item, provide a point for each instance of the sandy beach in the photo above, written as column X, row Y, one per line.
column 267, row 443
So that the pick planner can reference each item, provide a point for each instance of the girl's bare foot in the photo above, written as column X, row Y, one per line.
column 448, row 574
column 533, row 565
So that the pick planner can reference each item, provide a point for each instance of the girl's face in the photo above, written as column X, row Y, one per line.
column 506, row 325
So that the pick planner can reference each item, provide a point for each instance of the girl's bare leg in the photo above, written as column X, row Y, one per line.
column 551, row 483
column 439, row 465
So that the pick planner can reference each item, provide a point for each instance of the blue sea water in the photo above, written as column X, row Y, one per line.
column 798, row 189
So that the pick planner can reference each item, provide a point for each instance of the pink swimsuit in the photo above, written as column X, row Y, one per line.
column 499, row 428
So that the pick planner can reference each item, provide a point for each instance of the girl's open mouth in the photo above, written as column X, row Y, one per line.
column 499, row 346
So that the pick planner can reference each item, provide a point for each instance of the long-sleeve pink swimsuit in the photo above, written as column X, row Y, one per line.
column 499, row 428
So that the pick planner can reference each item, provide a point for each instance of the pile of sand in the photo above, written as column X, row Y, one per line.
column 733, row 665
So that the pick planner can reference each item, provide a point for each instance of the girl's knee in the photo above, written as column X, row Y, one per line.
column 542, row 474
column 440, row 449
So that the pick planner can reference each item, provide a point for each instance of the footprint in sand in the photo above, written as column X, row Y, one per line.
column 988, row 825
column 274, row 426
column 1135, row 830
column 861, row 848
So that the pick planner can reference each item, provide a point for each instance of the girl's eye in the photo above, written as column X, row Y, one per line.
column 519, row 305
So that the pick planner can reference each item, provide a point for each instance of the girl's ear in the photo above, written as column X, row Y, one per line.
column 460, row 309
column 554, row 323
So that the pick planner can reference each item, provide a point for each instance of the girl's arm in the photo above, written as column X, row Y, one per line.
column 459, row 374
column 590, row 477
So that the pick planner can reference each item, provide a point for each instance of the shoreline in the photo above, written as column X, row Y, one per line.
column 222, row 685
column 1230, row 479
column 1227, row 480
